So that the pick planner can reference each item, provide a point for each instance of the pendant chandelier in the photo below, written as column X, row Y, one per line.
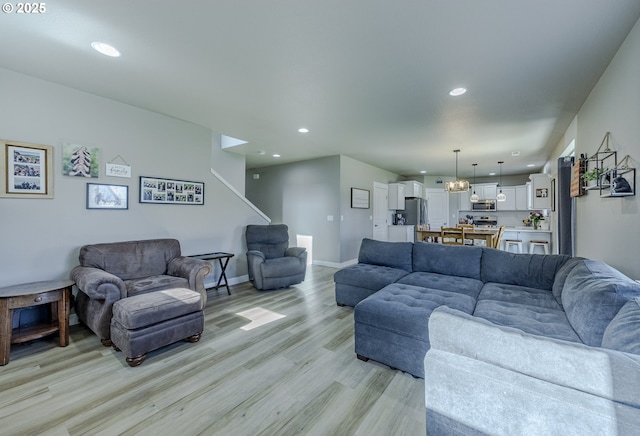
column 501, row 196
column 457, row 185
column 474, row 197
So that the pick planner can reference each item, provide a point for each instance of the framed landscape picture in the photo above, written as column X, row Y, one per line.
column 26, row 170
column 100, row 196
column 169, row 191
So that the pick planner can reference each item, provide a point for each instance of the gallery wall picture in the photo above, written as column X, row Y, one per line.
column 103, row 196
column 80, row 160
column 26, row 170
column 169, row 191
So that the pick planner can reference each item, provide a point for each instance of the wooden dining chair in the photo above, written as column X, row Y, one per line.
column 452, row 236
column 467, row 228
column 498, row 237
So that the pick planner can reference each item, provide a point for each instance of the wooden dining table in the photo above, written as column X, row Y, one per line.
column 486, row 235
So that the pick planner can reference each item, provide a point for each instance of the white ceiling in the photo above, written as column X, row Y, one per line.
column 369, row 78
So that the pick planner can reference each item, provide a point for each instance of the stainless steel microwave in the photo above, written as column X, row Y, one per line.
column 484, row 205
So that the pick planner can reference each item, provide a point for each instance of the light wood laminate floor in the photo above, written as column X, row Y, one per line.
column 297, row 374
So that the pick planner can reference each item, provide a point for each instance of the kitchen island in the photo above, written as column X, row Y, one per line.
column 526, row 235
column 486, row 235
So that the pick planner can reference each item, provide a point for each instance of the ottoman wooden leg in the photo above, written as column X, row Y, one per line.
column 364, row 359
column 136, row 361
column 194, row 338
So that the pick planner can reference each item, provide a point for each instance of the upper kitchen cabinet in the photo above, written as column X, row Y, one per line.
column 540, row 191
column 510, row 202
column 487, row 191
column 396, row 196
column 522, row 201
column 413, row 189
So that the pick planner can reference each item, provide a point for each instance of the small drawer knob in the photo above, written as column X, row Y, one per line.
column 37, row 299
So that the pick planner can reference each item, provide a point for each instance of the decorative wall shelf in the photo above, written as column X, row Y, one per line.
column 615, row 179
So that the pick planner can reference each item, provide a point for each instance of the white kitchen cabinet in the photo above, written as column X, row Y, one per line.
column 522, row 202
column 413, row 189
column 540, row 191
column 487, row 191
column 396, row 196
column 510, row 202
column 402, row 233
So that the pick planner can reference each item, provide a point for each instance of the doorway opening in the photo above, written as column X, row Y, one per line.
column 306, row 241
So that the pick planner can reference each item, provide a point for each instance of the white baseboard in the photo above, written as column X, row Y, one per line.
column 335, row 264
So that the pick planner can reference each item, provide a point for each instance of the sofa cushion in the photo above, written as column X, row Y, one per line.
column 561, row 277
column 154, row 283
column 447, row 259
column 519, row 295
column 623, row 332
column 405, row 309
column 368, row 276
column 461, row 285
column 147, row 309
column 530, row 270
column 530, row 319
column 392, row 254
column 593, row 294
column 131, row 259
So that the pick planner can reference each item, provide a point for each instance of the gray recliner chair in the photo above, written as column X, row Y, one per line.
column 272, row 263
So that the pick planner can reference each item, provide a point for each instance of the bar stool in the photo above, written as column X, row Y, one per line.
column 508, row 243
column 534, row 243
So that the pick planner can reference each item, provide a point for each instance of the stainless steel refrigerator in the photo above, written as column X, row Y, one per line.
column 415, row 211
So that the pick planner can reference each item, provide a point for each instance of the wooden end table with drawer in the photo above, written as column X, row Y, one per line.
column 56, row 293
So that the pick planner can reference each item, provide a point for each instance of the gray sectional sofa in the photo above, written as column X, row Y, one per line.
column 507, row 343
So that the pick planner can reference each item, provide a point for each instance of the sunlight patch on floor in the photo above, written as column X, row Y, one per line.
column 258, row 317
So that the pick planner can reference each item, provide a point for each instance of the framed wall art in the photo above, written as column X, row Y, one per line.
column 26, row 170
column 169, row 191
column 80, row 160
column 101, row 196
column 359, row 198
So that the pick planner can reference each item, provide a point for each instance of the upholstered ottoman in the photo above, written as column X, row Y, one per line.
column 146, row 322
column 391, row 325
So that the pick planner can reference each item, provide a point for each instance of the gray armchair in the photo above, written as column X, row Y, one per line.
column 272, row 263
column 112, row 271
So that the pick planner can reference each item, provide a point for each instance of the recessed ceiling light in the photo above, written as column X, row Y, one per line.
column 303, row 130
column 492, row 174
column 457, row 91
column 423, row 172
column 106, row 49
column 276, row 155
column 531, row 165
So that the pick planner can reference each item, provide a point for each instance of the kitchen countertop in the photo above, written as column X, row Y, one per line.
column 524, row 229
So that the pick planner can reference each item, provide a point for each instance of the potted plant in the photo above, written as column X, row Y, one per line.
column 591, row 177
column 536, row 217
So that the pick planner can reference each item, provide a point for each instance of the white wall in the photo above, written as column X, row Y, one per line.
column 41, row 238
column 608, row 229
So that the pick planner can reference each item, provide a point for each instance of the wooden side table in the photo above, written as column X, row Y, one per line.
column 223, row 265
column 57, row 293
